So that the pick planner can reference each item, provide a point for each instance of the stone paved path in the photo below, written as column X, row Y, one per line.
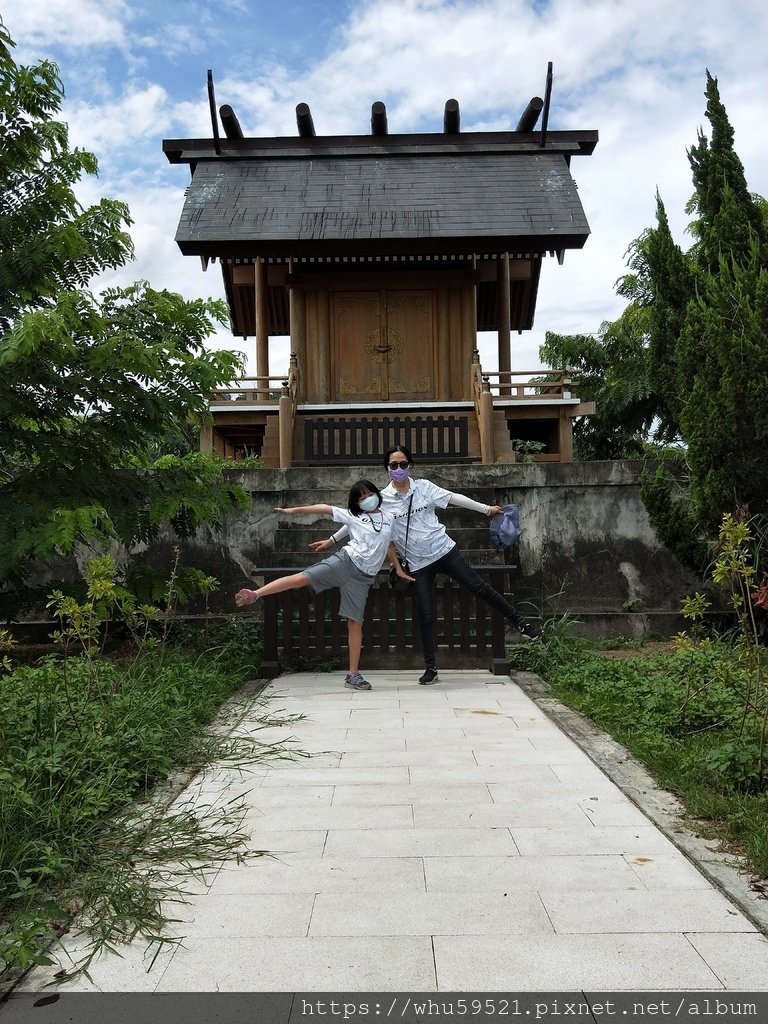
column 441, row 838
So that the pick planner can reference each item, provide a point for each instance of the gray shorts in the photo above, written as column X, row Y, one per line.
column 338, row 570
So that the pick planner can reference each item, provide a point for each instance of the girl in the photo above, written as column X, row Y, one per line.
column 352, row 569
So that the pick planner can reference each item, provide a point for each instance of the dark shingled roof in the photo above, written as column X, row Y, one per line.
column 383, row 202
column 353, row 204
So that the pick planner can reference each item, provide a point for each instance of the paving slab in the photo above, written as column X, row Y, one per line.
column 229, row 916
column 412, row 793
column 514, row 874
column 430, row 913
column 560, row 963
column 738, row 962
column 457, row 837
column 312, row 964
column 282, row 874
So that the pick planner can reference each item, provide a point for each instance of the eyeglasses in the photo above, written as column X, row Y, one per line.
column 399, row 465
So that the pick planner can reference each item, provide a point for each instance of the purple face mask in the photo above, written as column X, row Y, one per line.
column 398, row 475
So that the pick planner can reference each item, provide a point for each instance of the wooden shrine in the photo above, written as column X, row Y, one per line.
column 382, row 256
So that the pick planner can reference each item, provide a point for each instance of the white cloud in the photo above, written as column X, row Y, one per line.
column 136, row 115
column 41, row 25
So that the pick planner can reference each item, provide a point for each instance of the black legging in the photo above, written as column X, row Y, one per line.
column 458, row 568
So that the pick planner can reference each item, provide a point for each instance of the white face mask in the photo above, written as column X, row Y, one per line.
column 369, row 504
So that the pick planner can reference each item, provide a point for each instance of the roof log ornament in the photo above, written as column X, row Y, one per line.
column 304, row 121
column 379, row 119
column 530, row 115
column 229, row 122
column 451, row 118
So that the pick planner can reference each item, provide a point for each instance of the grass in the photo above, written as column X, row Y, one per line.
column 86, row 835
column 691, row 714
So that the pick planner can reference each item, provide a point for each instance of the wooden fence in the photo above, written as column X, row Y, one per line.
column 302, row 631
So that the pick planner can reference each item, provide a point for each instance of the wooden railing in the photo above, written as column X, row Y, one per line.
column 528, row 385
column 264, row 390
column 349, row 440
column 282, row 392
column 300, row 628
column 523, row 385
column 344, row 439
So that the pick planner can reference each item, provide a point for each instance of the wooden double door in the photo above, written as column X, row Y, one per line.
column 383, row 345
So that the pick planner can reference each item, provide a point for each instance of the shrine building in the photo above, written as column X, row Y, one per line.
column 382, row 256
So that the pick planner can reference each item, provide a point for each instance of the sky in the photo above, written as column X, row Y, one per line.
column 134, row 73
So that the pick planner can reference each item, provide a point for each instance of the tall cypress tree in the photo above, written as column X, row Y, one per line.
column 729, row 216
column 722, row 352
column 720, row 358
column 671, row 287
column 725, row 413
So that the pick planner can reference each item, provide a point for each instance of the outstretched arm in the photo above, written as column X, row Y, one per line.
column 297, row 510
column 475, row 506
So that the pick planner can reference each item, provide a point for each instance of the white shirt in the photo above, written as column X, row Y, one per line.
column 369, row 537
column 427, row 537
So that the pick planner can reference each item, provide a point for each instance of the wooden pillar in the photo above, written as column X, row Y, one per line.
column 442, row 390
column 206, row 436
column 324, row 346
column 262, row 320
column 504, row 320
column 285, row 427
column 565, row 435
column 487, row 454
column 298, row 328
column 469, row 329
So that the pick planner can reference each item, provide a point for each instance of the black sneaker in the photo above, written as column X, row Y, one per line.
column 429, row 677
column 530, row 630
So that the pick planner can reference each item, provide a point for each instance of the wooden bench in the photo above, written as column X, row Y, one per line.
column 357, row 441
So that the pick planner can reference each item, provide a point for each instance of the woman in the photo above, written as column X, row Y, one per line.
column 352, row 569
column 431, row 551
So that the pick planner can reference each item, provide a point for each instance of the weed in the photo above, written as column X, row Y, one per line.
column 747, row 670
column 559, row 646
column 84, row 736
column 526, row 451
column 7, row 645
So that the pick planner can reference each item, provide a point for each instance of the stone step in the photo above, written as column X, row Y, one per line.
column 300, row 537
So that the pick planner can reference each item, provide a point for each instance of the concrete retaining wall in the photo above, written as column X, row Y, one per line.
column 587, row 545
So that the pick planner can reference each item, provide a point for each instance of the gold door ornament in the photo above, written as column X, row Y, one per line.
column 372, row 388
column 423, row 386
column 384, row 346
column 419, row 387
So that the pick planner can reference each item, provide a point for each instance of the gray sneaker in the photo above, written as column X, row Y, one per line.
column 355, row 681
